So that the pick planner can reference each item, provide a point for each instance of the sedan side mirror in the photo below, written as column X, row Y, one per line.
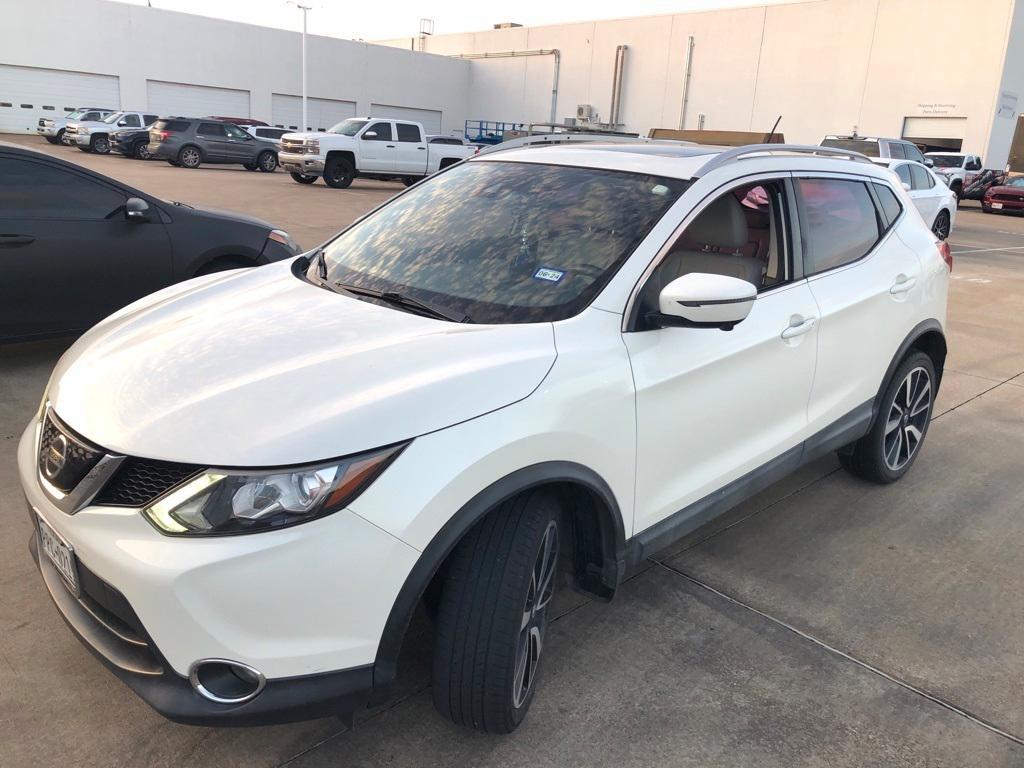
column 929, row 162
column 702, row 300
column 136, row 209
column 906, row 186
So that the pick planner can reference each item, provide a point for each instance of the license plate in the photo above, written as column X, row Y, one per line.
column 61, row 555
column 997, row 206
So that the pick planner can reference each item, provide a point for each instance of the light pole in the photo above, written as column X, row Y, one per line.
column 305, row 9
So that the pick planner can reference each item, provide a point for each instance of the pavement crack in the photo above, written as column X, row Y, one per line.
column 1009, row 380
column 932, row 697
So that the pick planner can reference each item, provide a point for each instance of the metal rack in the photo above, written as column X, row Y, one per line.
column 738, row 153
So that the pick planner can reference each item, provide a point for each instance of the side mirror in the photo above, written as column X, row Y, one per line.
column 122, row 123
column 906, row 186
column 701, row 300
column 929, row 162
column 136, row 209
column 370, row 135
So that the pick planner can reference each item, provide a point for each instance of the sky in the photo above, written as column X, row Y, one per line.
column 362, row 20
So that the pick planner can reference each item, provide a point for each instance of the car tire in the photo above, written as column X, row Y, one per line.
column 190, row 157
column 888, row 451
column 140, row 150
column 99, row 144
column 80, row 148
column 958, row 190
column 52, row 139
column 492, row 614
column 303, row 178
column 59, row 138
column 409, row 180
column 941, row 226
column 339, row 173
column 267, row 162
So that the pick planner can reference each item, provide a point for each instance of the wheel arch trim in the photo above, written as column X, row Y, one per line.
column 927, row 329
column 434, row 554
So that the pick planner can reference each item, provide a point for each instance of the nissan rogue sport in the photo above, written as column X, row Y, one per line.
column 532, row 370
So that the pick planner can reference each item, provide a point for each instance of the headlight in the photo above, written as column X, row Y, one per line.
column 282, row 237
column 312, row 147
column 221, row 501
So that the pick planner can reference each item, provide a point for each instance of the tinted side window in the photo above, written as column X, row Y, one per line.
column 921, row 179
column 896, row 150
column 34, row 190
column 383, row 131
column 839, row 222
column 213, row 130
column 174, row 126
column 407, row 132
column 903, row 171
column 891, row 207
column 234, row 132
column 912, row 152
column 91, row 116
column 131, row 121
column 150, row 119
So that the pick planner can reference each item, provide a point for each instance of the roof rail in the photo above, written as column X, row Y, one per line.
column 542, row 139
column 738, row 153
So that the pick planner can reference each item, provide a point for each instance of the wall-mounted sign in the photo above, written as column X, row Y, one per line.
column 937, row 109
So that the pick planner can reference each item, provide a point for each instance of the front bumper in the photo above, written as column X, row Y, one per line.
column 305, row 164
column 47, row 130
column 1004, row 206
column 82, row 139
column 290, row 603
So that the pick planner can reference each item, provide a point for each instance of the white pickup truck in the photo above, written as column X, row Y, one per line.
column 957, row 169
column 375, row 148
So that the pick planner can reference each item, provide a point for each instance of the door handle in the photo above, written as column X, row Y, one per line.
column 422, row 148
column 902, row 284
column 391, row 146
column 14, row 241
column 798, row 326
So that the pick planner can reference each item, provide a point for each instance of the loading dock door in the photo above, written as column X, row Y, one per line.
column 168, row 99
column 321, row 113
column 936, row 134
column 430, row 118
column 29, row 93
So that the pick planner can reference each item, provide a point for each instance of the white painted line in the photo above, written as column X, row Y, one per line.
column 992, row 250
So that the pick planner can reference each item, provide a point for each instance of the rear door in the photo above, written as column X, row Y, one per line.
column 411, row 149
column 924, row 193
column 214, row 142
column 377, row 152
column 68, row 254
column 865, row 281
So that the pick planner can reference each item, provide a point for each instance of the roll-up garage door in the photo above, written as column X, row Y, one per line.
column 30, row 93
column 196, row 100
column 321, row 113
column 430, row 118
column 936, row 133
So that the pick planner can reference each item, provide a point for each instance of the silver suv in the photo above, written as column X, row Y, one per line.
column 873, row 146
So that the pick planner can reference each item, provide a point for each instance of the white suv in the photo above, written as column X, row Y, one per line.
column 536, row 368
column 94, row 135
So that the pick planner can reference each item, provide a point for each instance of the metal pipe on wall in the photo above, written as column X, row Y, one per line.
column 515, row 54
column 620, row 62
column 686, row 82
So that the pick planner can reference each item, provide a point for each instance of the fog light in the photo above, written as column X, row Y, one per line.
column 226, row 682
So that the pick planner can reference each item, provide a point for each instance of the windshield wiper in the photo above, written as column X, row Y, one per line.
column 400, row 300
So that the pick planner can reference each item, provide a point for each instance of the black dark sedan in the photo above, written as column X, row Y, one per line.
column 76, row 245
column 131, row 142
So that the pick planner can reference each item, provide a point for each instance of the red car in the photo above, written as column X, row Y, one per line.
column 238, row 120
column 1005, row 198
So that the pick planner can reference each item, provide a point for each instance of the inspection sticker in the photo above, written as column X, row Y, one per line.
column 549, row 274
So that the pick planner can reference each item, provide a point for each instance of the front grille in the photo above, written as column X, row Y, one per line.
column 71, row 130
column 1008, row 198
column 138, row 482
column 292, row 145
column 64, row 458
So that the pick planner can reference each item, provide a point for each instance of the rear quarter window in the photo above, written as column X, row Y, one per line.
column 891, row 207
column 171, row 125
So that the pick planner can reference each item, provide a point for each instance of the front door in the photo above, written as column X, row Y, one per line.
column 214, row 140
column 377, row 152
column 69, row 256
column 241, row 146
column 714, row 405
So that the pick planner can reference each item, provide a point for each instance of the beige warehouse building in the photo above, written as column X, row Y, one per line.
column 946, row 73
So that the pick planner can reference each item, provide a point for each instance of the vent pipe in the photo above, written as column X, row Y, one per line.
column 620, row 63
column 686, row 84
column 516, row 54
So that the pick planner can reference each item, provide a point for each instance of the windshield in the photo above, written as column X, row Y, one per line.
column 867, row 147
column 348, row 127
column 74, row 114
column 503, row 242
column 1017, row 182
column 946, row 161
column 111, row 119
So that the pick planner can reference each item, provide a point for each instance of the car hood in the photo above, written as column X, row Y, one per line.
column 1004, row 189
column 259, row 368
column 219, row 213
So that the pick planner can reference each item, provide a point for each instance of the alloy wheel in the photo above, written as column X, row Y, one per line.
column 907, row 419
column 534, row 622
column 101, row 145
column 941, row 227
column 190, row 157
column 142, row 151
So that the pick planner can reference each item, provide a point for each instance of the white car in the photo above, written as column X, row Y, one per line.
column 372, row 148
column 94, row 135
column 935, row 201
column 52, row 128
column 534, row 369
column 265, row 132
